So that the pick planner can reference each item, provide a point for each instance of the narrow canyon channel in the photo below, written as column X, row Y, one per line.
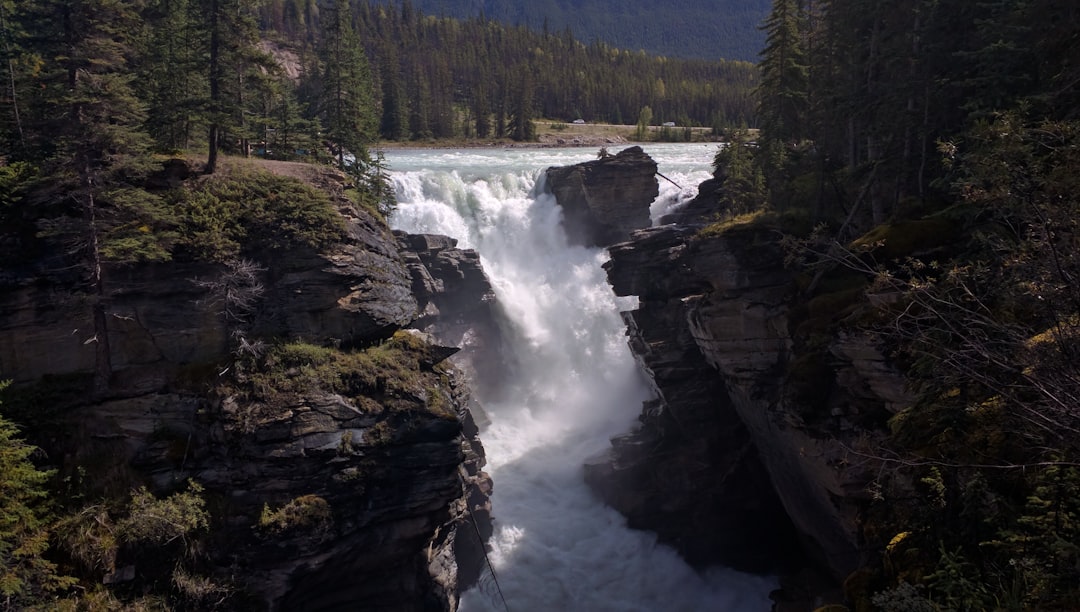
column 572, row 385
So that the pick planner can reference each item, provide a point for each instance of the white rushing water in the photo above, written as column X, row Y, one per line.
column 556, row 547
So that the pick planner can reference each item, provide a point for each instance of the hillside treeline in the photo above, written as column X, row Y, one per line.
column 934, row 146
column 686, row 28
column 440, row 77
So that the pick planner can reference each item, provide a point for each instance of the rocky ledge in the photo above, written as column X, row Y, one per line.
column 338, row 454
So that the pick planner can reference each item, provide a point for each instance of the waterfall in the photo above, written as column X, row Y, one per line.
column 574, row 385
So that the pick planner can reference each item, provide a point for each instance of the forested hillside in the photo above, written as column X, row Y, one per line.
column 934, row 146
column 442, row 78
column 727, row 29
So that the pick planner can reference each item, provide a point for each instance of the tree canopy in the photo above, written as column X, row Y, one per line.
column 933, row 142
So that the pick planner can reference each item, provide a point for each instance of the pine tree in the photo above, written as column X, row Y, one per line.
column 521, row 126
column 233, row 64
column 171, row 78
column 784, row 84
column 346, row 105
column 12, row 134
column 26, row 577
column 395, row 119
column 96, row 151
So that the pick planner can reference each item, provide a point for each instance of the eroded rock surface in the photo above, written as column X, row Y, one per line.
column 604, row 200
column 398, row 462
column 755, row 426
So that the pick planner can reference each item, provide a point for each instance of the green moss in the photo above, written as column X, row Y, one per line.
column 796, row 221
column 366, row 202
column 906, row 238
column 380, row 434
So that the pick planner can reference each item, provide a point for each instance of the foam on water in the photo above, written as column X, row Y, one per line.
column 556, row 546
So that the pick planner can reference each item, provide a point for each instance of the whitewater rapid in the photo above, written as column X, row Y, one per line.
column 574, row 385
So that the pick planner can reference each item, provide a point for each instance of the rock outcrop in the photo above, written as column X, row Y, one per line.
column 604, row 200
column 763, row 403
column 394, row 460
column 692, row 471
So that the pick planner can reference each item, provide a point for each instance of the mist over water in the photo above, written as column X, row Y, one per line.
column 574, row 386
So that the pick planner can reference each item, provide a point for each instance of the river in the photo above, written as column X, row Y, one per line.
column 574, row 385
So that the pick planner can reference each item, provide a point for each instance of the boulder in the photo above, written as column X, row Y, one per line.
column 604, row 200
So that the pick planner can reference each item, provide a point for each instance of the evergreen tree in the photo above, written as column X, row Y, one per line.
column 784, row 84
column 346, row 105
column 97, row 151
column 171, row 78
column 12, row 133
column 26, row 577
column 395, row 119
column 233, row 63
column 643, row 122
column 521, row 126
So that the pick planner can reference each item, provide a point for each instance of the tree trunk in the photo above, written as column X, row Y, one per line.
column 215, row 86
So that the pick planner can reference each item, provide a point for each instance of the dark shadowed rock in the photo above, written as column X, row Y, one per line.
column 604, row 200
column 748, row 413
column 457, row 305
column 399, row 462
column 691, row 472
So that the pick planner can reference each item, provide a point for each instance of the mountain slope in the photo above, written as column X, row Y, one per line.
column 709, row 29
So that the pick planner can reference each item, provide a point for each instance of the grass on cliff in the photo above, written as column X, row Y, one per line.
column 251, row 210
column 401, row 367
column 795, row 221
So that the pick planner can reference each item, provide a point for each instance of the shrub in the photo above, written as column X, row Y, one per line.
column 252, row 211
column 310, row 514
column 161, row 521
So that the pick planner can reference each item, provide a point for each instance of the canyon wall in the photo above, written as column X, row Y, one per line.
column 259, row 408
column 752, row 453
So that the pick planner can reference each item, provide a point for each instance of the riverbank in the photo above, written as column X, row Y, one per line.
column 557, row 134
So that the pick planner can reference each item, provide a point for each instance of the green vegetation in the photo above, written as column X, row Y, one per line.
column 249, row 211
column 710, row 30
column 162, row 521
column 95, row 539
column 26, row 576
column 940, row 171
column 448, row 79
column 309, row 515
column 398, row 367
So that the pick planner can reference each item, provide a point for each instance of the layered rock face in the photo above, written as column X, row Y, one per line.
column 692, row 471
column 396, row 459
column 749, row 454
column 606, row 199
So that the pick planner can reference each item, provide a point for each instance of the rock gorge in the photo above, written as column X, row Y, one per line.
column 752, row 455
column 373, row 474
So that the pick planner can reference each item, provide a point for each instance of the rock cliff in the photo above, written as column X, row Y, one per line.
column 605, row 199
column 749, row 456
column 316, row 399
